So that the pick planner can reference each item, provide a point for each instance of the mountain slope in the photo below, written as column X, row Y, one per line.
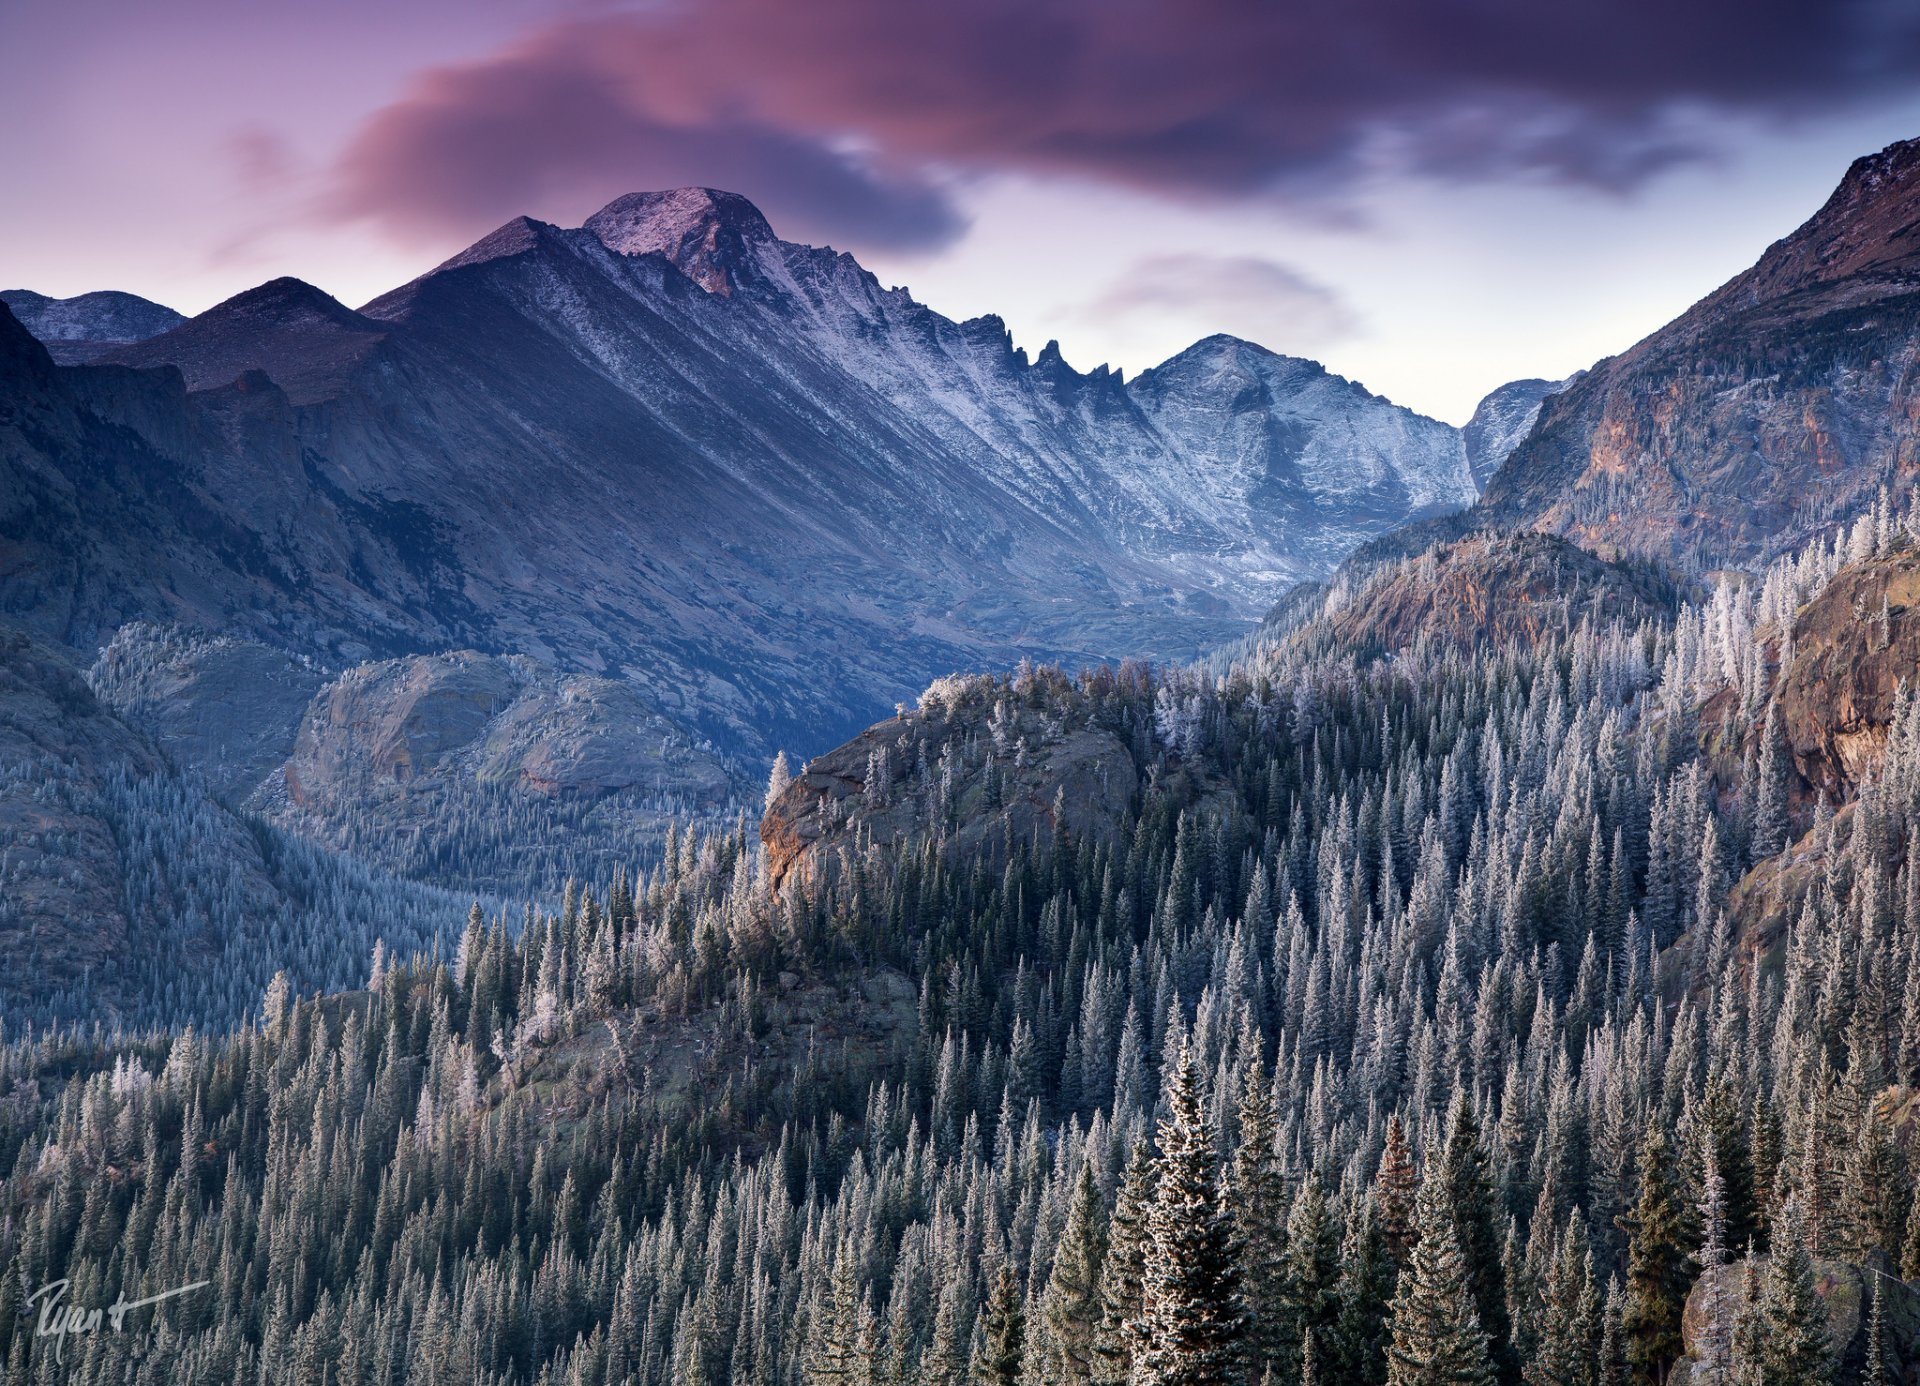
column 1781, row 402
column 88, row 325
column 673, row 448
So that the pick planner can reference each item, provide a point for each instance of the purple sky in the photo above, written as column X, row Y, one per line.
column 1431, row 196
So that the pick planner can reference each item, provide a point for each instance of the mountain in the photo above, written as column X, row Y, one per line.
column 81, row 328
column 134, row 895
column 1781, row 402
column 669, row 447
column 1502, row 421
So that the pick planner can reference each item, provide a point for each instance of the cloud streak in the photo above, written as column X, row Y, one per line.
column 848, row 119
column 1165, row 298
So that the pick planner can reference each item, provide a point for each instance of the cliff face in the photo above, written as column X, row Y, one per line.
column 981, row 765
column 1782, row 401
column 1853, row 647
column 1489, row 590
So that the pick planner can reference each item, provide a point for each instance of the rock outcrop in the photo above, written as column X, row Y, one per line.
column 980, row 765
column 1853, row 647
column 1845, row 1291
column 1487, row 590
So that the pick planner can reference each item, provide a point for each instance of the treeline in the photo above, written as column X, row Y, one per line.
column 1405, row 1029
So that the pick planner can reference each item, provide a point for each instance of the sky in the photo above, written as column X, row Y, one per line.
column 1429, row 196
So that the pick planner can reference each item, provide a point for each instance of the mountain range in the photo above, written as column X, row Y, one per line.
column 669, row 447
column 485, row 581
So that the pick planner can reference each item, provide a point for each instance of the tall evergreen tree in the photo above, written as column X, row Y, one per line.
column 1437, row 1337
column 1260, row 1212
column 1001, row 1342
column 1659, row 1270
column 1396, row 1189
column 1368, row 1278
column 1124, row 1270
column 1467, row 1182
column 1070, row 1306
column 1192, row 1324
column 1571, row 1336
column 1798, row 1349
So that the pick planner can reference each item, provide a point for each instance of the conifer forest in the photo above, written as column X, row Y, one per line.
column 1475, row 1015
column 596, row 792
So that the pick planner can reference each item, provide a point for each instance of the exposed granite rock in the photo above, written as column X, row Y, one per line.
column 1778, row 404
column 981, row 763
column 1490, row 590
column 397, row 727
column 1844, row 1290
column 1853, row 646
column 229, row 708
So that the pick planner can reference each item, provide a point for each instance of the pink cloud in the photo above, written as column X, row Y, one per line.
column 847, row 118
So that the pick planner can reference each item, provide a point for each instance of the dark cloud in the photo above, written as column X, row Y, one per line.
column 569, row 120
column 1251, row 297
column 842, row 114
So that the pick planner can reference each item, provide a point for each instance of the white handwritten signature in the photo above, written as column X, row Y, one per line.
column 58, row 1319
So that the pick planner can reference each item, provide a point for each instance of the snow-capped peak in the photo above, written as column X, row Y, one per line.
column 706, row 233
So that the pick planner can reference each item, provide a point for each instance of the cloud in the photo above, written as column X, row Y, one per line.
column 848, row 119
column 572, row 118
column 1166, row 300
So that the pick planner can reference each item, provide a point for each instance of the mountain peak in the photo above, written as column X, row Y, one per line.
column 706, row 233
column 1869, row 227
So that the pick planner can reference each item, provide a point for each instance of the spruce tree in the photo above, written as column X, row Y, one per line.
column 1467, row 1184
column 1070, row 1306
column 1368, row 1278
column 1311, row 1287
column 1876, row 1370
column 1122, row 1273
column 1260, row 1213
column 1798, row 1350
column 1571, row 1335
column 1002, row 1340
column 1437, row 1338
column 1659, row 1270
column 1192, row 1324
column 1396, row 1188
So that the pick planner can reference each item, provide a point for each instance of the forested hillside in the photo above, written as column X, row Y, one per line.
column 1448, row 1012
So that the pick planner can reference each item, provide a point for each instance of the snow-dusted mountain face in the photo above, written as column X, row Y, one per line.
column 1501, row 422
column 670, row 447
column 89, row 325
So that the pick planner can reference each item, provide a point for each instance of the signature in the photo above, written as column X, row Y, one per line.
column 58, row 1319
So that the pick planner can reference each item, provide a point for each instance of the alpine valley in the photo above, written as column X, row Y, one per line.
column 1255, row 885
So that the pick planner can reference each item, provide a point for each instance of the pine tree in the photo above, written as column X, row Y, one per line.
column 1260, row 1213
column 1875, row 1371
column 779, row 779
column 1614, row 1367
column 1070, row 1307
column 1659, row 1271
column 1368, row 1278
column 1192, row 1324
column 1002, row 1341
column 1570, row 1342
column 1311, row 1287
column 1437, row 1338
column 1467, row 1184
column 1713, row 1351
column 1124, row 1270
column 1798, row 1349
column 1396, row 1188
